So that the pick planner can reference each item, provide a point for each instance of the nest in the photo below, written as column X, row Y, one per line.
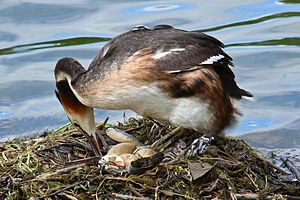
column 60, row 165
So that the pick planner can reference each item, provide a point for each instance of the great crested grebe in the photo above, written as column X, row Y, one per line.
column 164, row 73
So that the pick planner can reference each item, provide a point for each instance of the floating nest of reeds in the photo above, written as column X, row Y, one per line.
column 60, row 165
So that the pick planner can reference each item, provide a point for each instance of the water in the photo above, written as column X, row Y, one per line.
column 261, row 36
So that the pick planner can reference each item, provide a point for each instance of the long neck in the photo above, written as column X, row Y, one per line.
column 66, row 96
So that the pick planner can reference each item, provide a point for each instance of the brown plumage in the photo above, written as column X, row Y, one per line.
column 164, row 73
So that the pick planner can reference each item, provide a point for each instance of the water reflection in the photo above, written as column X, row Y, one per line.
column 281, row 137
column 5, row 36
column 289, row 1
column 52, row 44
column 287, row 41
column 160, row 7
column 294, row 41
column 43, row 13
column 253, row 21
column 35, row 35
column 249, row 125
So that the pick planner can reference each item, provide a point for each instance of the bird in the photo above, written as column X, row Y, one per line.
column 180, row 77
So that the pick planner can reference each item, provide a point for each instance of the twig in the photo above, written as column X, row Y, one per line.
column 290, row 165
column 117, row 178
column 134, row 191
column 38, row 143
column 134, row 129
column 100, row 135
column 156, row 193
column 84, row 160
column 166, row 140
column 250, row 196
column 62, row 170
column 263, row 160
column 252, row 181
column 291, row 197
column 105, row 121
column 102, row 139
column 170, row 193
column 232, row 195
column 123, row 196
column 157, row 123
column 54, row 193
column 266, row 182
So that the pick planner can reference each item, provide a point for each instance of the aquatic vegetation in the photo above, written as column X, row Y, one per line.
column 60, row 165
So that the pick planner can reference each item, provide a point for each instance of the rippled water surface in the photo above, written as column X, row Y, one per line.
column 263, row 37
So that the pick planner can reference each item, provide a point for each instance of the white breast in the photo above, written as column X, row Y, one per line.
column 186, row 112
column 150, row 101
column 192, row 113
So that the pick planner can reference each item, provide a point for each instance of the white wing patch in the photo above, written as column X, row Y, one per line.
column 159, row 55
column 208, row 61
column 212, row 59
column 105, row 50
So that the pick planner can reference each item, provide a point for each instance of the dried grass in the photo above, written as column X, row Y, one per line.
column 60, row 165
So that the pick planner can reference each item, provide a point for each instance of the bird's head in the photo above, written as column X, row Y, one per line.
column 80, row 115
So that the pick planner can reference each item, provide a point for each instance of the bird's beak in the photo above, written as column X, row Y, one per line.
column 92, row 139
column 82, row 117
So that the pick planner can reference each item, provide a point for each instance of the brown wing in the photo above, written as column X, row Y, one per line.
column 173, row 51
column 160, row 38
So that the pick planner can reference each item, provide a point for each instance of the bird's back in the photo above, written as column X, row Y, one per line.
column 175, row 51
column 165, row 73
